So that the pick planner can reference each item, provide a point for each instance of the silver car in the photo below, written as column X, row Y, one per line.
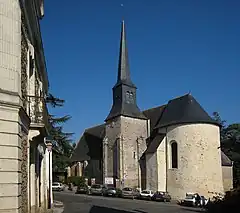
column 129, row 192
column 56, row 186
column 111, row 191
column 97, row 189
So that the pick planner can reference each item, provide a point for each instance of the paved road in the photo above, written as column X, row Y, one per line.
column 96, row 204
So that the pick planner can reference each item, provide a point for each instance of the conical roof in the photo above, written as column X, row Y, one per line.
column 184, row 109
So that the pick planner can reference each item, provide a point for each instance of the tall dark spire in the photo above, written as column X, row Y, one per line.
column 123, row 64
column 124, row 91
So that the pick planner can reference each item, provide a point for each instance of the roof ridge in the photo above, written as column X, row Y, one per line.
column 178, row 97
column 154, row 107
column 93, row 127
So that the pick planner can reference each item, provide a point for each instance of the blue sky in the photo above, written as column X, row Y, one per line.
column 174, row 47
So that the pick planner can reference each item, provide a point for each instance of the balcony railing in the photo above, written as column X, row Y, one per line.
column 38, row 111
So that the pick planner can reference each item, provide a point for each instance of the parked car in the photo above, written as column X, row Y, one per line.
column 97, row 189
column 189, row 200
column 82, row 189
column 146, row 194
column 129, row 192
column 111, row 191
column 161, row 196
column 56, row 186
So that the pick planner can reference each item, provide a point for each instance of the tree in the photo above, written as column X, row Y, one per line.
column 62, row 141
column 216, row 116
column 230, row 145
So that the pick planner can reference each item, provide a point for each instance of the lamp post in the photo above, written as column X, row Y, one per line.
column 49, row 148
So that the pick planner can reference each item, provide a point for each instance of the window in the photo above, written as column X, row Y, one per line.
column 174, row 150
column 129, row 97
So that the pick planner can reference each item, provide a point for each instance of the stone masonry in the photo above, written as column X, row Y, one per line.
column 126, row 144
column 199, row 160
column 10, row 102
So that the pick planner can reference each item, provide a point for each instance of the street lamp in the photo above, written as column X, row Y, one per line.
column 49, row 148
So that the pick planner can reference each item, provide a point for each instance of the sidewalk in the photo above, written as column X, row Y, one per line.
column 58, row 207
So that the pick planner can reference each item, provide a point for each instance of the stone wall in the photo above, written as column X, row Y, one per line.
column 24, row 169
column 227, row 172
column 126, row 144
column 199, row 160
column 10, row 93
column 113, row 132
column 152, row 171
column 161, row 164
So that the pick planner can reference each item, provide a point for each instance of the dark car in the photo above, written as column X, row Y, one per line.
column 161, row 196
column 111, row 191
column 82, row 189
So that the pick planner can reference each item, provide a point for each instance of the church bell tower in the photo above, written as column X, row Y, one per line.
column 126, row 128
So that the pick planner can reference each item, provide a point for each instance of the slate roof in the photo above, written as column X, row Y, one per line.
column 89, row 143
column 152, row 147
column 154, row 114
column 123, row 105
column 225, row 160
column 123, row 64
column 184, row 109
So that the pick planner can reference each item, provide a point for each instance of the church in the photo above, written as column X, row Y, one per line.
column 174, row 147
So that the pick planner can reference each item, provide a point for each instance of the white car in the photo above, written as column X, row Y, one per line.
column 57, row 186
column 189, row 200
column 146, row 194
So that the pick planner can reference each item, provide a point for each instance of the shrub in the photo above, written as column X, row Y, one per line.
column 230, row 203
column 76, row 180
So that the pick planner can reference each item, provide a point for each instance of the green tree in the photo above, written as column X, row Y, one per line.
column 230, row 145
column 62, row 141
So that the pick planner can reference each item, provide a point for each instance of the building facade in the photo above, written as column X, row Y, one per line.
column 25, row 163
column 173, row 147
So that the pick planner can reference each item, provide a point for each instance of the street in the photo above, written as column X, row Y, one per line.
column 75, row 203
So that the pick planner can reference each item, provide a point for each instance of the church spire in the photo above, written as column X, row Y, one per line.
column 124, row 91
column 123, row 64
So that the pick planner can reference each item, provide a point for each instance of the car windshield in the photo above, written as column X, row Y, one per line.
column 96, row 186
column 189, row 196
column 161, row 193
column 146, row 192
column 111, row 188
column 127, row 189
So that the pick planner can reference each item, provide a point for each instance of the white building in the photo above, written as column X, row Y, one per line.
column 24, row 159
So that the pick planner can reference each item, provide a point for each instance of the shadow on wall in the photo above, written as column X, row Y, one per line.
column 101, row 209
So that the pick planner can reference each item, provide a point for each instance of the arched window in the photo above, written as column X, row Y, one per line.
column 174, row 150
